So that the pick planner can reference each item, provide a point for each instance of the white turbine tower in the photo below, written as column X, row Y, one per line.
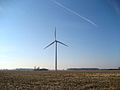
column 56, row 42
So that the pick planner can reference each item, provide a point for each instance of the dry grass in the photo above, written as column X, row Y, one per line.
column 61, row 80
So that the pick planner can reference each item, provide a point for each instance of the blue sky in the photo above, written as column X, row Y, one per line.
column 90, row 28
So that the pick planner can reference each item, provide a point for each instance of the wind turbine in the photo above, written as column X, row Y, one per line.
column 56, row 42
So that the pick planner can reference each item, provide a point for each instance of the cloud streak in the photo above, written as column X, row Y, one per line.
column 73, row 12
column 116, row 5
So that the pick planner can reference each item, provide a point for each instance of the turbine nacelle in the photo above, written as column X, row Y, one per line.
column 55, row 42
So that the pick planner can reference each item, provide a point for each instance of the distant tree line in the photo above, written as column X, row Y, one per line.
column 83, row 69
column 91, row 69
column 40, row 69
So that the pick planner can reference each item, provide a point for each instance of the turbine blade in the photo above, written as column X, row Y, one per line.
column 62, row 43
column 55, row 33
column 49, row 45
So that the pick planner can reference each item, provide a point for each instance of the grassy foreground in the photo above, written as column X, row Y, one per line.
column 61, row 80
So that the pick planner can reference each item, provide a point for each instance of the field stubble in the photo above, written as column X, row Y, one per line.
column 61, row 80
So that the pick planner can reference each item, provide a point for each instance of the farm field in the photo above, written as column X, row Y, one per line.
column 60, row 80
